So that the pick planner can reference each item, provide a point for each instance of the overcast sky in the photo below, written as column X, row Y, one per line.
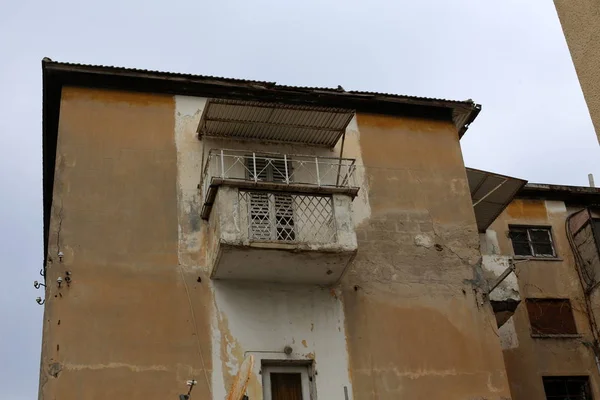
column 508, row 55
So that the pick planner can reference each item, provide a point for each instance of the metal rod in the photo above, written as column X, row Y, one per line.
column 254, row 164
column 278, row 154
column 490, row 192
column 287, row 177
column 317, row 165
column 222, row 166
column 502, row 277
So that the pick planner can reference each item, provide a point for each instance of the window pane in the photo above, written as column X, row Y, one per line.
column 519, row 235
column 567, row 388
column 555, row 387
column 576, row 387
column 540, row 235
column 521, row 248
column 543, row 249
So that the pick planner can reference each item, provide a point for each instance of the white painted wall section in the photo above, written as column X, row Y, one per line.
column 262, row 319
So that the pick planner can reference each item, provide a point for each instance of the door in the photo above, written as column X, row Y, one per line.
column 286, row 383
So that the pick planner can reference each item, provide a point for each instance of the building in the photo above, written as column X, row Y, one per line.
column 551, row 234
column 580, row 20
column 191, row 221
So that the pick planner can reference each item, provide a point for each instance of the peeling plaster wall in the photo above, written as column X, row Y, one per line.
column 256, row 318
column 261, row 319
column 494, row 264
column 528, row 359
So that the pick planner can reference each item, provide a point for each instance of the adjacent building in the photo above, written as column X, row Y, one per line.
column 550, row 234
column 580, row 20
column 191, row 221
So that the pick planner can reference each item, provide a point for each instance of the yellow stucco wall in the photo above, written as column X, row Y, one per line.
column 580, row 20
column 529, row 359
column 416, row 323
column 123, row 329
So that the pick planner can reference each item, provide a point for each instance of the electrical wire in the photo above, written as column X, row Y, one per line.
column 187, row 291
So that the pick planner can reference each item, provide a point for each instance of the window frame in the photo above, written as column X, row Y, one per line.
column 531, row 243
column 302, row 369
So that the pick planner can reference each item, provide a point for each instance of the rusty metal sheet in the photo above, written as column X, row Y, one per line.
column 491, row 193
column 252, row 120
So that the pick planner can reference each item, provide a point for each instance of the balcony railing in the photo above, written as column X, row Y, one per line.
column 299, row 171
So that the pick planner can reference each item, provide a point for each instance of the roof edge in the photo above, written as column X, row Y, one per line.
column 572, row 194
column 463, row 113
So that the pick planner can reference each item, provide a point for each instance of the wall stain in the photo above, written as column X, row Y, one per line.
column 55, row 369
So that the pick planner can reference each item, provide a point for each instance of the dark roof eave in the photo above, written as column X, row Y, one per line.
column 583, row 195
column 208, row 86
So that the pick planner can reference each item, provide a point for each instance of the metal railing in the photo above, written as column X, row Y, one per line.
column 283, row 217
column 279, row 168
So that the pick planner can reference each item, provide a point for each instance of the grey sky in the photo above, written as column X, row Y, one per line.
column 508, row 55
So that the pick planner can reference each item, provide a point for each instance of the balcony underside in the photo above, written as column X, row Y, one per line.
column 282, row 263
column 504, row 309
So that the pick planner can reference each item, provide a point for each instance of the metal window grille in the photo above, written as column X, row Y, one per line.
column 288, row 217
column 532, row 241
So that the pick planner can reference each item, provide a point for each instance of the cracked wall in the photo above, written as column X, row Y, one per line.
column 528, row 359
column 416, row 321
column 256, row 318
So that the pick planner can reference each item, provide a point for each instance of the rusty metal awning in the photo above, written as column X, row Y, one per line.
column 274, row 122
column 491, row 194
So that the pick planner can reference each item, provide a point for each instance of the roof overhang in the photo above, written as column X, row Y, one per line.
column 491, row 193
column 274, row 122
column 583, row 195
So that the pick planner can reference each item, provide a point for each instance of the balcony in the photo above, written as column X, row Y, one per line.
column 278, row 217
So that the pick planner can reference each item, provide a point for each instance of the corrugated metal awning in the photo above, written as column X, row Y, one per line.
column 491, row 193
column 275, row 122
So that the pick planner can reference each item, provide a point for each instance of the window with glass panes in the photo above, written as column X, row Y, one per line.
column 532, row 241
